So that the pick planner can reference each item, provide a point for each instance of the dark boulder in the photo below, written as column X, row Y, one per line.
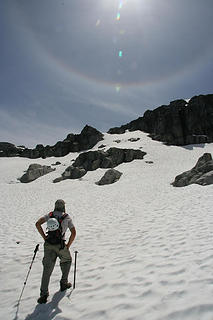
column 71, row 173
column 110, row 176
column 111, row 158
column 179, row 123
column 89, row 137
column 102, row 146
column 8, row 150
column 201, row 173
column 34, row 172
column 133, row 139
column 57, row 163
column 92, row 160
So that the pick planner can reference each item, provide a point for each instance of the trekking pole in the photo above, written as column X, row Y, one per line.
column 76, row 252
column 35, row 251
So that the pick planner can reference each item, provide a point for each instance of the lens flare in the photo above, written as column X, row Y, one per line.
column 118, row 16
column 118, row 88
column 120, row 4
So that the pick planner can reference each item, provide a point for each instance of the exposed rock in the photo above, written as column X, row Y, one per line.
column 117, row 141
column 179, row 123
column 201, row 174
column 73, row 173
column 206, row 179
column 34, row 172
column 133, row 139
column 73, row 143
column 110, row 176
column 56, row 164
column 92, row 160
column 58, row 179
column 149, row 162
column 102, row 146
column 8, row 149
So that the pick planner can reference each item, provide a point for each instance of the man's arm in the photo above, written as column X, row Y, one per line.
column 39, row 227
column 71, row 238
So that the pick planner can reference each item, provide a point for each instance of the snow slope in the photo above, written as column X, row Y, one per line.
column 145, row 247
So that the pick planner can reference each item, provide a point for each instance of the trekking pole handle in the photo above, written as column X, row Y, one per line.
column 36, row 248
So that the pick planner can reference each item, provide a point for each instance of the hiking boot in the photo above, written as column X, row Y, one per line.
column 42, row 299
column 65, row 286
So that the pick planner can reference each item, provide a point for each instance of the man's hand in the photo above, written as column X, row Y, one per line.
column 72, row 237
column 39, row 227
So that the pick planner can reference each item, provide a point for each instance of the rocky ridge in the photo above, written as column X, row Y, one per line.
column 179, row 123
column 87, row 139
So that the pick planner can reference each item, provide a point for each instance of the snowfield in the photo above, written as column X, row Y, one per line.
column 145, row 247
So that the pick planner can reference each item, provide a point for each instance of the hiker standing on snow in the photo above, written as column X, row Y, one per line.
column 54, row 246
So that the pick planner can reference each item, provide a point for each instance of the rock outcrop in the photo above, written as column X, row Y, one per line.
column 71, row 173
column 179, row 123
column 87, row 139
column 92, row 160
column 202, row 173
column 111, row 158
column 34, row 172
column 10, row 150
column 110, row 176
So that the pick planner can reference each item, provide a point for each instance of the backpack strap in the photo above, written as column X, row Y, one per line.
column 60, row 220
column 63, row 217
column 51, row 215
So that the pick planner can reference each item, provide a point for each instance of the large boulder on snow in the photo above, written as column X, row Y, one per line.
column 34, row 172
column 71, row 173
column 92, row 160
column 111, row 158
column 201, row 173
column 179, row 123
column 110, row 176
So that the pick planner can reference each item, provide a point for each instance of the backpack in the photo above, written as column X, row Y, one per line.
column 56, row 237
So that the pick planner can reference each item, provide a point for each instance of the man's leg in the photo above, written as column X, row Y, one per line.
column 48, row 265
column 65, row 264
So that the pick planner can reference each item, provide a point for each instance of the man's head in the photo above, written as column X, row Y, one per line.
column 60, row 205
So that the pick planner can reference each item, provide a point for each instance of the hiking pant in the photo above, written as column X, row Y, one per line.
column 51, row 252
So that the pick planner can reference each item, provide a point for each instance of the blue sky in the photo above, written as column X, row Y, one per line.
column 68, row 63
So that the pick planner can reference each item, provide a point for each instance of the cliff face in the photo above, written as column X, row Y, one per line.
column 73, row 143
column 179, row 123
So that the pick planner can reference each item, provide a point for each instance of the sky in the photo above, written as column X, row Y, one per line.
column 68, row 63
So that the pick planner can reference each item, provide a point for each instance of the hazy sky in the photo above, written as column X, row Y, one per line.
column 68, row 63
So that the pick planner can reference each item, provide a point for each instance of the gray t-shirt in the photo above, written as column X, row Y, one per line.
column 66, row 223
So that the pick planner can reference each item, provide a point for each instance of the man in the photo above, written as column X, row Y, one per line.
column 54, row 249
